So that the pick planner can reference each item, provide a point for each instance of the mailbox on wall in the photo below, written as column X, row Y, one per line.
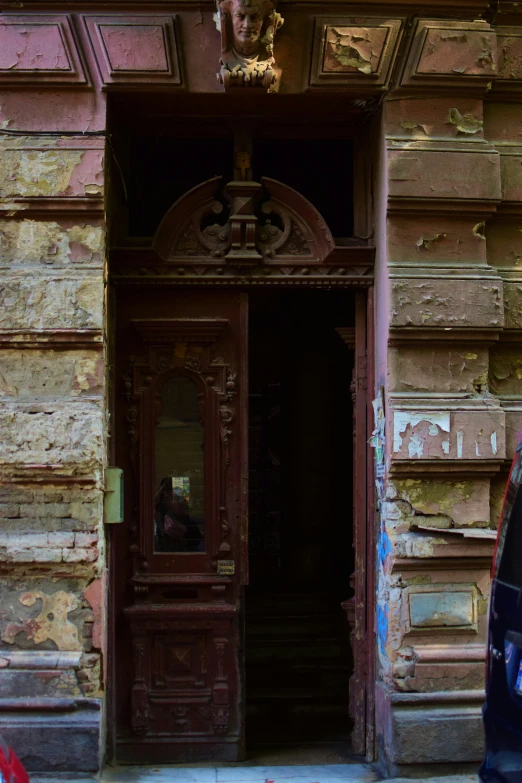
column 113, row 500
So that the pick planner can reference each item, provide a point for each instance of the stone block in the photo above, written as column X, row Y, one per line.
column 43, row 613
column 358, row 52
column 461, row 503
column 451, row 53
column 39, row 374
column 449, row 434
column 449, row 734
column 450, row 726
column 40, row 242
column 24, row 540
column 504, row 242
column 136, row 49
column 49, row 555
column 43, row 302
column 67, row 741
column 38, row 509
column 503, row 121
column 85, row 539
column 434, row 118
column 435, row 241
column 429, row 677
column 436, row 368
column 39, row 49
column 513, row 415
column 420, row 173
column 78, row 555
column 57, row 172
column 42, row 683
column 498, row 489
column 60, row 436
column 21, row 555
column 61, row 539
column 511, row 174
column 509, row 42
column 15, row 494
column 441, row 609
column 505, row 370
column 447, row 302
column 513, row 303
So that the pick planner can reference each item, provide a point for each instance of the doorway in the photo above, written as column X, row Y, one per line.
column 236, row 330
column 297, row 646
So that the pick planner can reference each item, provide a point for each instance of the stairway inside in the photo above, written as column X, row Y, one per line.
column 298, row 656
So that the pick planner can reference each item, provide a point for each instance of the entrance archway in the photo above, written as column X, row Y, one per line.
column 180, row 561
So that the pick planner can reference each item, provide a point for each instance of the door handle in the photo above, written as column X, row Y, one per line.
column 495, row 654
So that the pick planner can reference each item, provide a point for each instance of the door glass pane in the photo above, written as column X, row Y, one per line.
column 179, row 491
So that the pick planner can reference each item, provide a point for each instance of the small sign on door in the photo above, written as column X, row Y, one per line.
column 226, row 567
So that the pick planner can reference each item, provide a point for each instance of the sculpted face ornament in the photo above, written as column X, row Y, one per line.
column 247, row 23
column 248, row 28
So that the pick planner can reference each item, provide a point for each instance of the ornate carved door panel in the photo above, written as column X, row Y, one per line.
column 181, row 553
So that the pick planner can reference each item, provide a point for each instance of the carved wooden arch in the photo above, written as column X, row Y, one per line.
column 244, row 223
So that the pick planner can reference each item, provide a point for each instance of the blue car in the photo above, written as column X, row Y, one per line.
column 503, row 708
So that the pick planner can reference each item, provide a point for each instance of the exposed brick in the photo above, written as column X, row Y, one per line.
column 49, row 556
column 85, row 539
column 80, row 555
column 61, row 539
column 22, row 555
column 15, row 495
column 45, row 510
column 74, row 524
column 9, row 510
column 24, row 541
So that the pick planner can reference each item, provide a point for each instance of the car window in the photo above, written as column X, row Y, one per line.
column 510, row 540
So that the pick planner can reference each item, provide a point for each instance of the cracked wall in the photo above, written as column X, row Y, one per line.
column 52, row 425
column 453, row 381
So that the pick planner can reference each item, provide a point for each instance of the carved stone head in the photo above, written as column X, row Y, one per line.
column 248, row 28
column 247, row 23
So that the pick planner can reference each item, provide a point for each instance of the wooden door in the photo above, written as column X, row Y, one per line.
column 180, row 556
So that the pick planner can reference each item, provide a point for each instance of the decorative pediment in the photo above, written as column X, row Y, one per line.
column 202, row 331
column 243, row 223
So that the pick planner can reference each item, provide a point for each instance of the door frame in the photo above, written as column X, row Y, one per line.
column 363, row 709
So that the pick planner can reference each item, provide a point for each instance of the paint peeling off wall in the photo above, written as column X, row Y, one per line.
column 406, row 423
column 457, row 434
column 354, row 48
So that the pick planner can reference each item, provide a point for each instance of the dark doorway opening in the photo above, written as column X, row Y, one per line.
column 297, row 643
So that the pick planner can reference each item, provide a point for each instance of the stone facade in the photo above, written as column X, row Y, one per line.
column 446, row 112
column 53, row 430
column 448, row 362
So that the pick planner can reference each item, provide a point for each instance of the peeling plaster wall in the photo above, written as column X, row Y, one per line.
column 453, row 393
column 52, row 430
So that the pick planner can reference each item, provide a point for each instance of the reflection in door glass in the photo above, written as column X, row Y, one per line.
column 179, row 491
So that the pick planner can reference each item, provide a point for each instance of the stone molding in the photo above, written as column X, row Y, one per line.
column 355, row 52
column 359, row 53
column 436, row 55
column 133, row 50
